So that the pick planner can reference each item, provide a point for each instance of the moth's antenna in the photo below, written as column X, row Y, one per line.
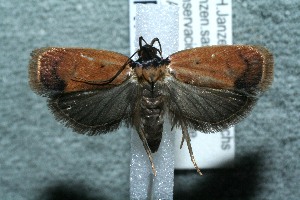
column 141, row 39
column 160, row 49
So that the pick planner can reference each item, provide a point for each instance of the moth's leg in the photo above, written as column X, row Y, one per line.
column 182, row 140
column 145, row 144
column 186, row 137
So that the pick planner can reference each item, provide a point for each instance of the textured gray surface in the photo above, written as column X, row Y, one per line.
column 40, row 159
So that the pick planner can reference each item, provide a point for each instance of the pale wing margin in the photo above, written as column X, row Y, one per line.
column 206, row 109
column 95, row 111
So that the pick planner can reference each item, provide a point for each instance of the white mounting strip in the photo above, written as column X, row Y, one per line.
column 201, row 23
column 143, row 185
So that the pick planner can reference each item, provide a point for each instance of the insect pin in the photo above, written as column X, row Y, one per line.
column 206, row 89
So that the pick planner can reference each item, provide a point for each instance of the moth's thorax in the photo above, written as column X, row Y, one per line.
column 151, row 71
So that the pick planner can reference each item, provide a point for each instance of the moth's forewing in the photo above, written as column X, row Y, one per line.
column 56, row 69
column 234, row 67
column 214, row 87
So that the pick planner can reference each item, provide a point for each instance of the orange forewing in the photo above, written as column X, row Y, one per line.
column 56, row 69
column 224, row 67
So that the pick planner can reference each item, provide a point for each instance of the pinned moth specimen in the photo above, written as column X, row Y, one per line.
column 206, row 89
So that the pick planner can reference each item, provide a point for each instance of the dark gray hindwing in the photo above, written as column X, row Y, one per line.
column 95, row 111
column 206, row 109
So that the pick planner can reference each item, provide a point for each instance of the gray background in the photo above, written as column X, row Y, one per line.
column 41, row 159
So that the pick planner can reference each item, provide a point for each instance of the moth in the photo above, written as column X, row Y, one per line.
column 206, row 89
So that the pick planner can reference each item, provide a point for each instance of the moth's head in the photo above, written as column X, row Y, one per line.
column 148, row 52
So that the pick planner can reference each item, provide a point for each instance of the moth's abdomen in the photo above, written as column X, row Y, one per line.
column 152, row 111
